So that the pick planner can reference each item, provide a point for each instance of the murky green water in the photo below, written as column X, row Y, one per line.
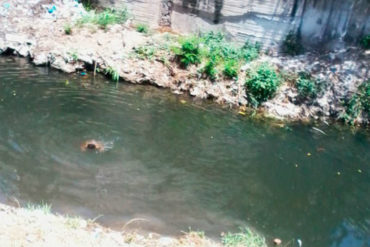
column 177, row 165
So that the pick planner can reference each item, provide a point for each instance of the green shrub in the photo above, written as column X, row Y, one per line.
column 261, row 84
column 189, row 51
column 210, row 68
column 358, row 104
column 292, row 44
column 245, row 238
column 308, row 87
column 68, row 29
column 365, row 42
column 105, row 18
column 231, row 69
column 250, row 51
column 142, row 28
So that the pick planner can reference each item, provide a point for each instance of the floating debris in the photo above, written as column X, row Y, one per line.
column 319, row 130
column 183, row 101
column 277, row 241
column 309, row 154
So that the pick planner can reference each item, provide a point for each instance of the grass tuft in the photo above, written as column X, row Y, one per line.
column 142, row 28
column 245, row 238
column 43, row 207
column 105, row 18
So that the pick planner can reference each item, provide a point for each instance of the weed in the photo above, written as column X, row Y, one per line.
column 292, row 44
column 68, row 29
column 210, row 68
column 261, row 84
column 74, row 56
column 142, row 28
column 250, row 51
column 306, row 86
column 245, row 237
column 113, row 73
column 365, row 42
column 231, row 69
column 358, row 104
column 43, row 207
column 105, row 18
column 189, row 51
column 73, row 222
column 145, row 52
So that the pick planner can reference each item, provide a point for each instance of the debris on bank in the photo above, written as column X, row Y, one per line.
column 57, row 33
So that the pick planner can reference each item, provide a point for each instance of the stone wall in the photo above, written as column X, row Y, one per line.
column 329, row 22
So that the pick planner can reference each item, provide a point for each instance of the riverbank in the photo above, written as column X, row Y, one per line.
column 51, row 34
column 35, row 225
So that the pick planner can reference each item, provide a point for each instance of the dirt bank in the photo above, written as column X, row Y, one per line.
column 36, row 29
column 36, row 226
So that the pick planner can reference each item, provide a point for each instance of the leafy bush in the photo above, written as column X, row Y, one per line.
column 250, row 51
column 105, row 18
column 142, row 28
column 210, row 68
column 261, row 84
column 189, row 51
column 308, row 87
column 292, row 44
column 216, row 53
column 68, row 29
column 231, row 69
column 365, row 42
column 246, row 238
column 358, row 104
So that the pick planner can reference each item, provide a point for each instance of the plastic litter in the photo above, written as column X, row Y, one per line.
column 52, row 9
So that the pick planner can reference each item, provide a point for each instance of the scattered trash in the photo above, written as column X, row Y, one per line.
column 319, row 130
column 183, row 101
column 83, row 73
column 52, row 9
column 296, row 165
column 242, row 113
column 320, row 149
column 309, row 154
column 359, row 171
column 67, row 83
column 6, row 5
column 299, row 242
column 277, row 241
column 338, row 173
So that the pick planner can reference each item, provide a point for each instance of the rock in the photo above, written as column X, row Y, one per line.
column 41, row 59
column 60, row 63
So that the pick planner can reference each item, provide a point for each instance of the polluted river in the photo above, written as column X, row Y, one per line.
column 172, row 162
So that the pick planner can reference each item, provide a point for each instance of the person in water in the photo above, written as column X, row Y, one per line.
column 92, row 145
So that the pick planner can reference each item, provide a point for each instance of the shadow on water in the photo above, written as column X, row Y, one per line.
column 177, row 165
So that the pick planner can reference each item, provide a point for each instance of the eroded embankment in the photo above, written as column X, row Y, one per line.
column 37, row 29
column 36, row 226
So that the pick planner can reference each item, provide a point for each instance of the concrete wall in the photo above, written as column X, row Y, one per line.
column 328, row 22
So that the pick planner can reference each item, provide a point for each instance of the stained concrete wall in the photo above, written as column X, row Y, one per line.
column 321, row 22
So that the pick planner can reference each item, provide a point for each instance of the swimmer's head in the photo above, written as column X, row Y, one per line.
column 92, row 145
